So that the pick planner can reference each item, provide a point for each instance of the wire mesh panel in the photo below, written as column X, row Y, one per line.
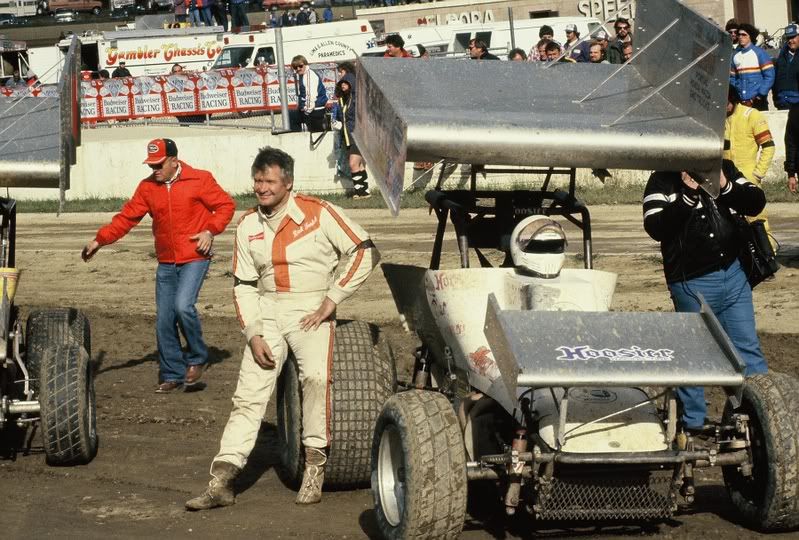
column 583, row 495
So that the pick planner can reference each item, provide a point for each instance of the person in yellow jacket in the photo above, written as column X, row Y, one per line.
column 748, row 144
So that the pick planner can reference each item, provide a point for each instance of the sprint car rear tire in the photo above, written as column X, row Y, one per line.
column 363, row 378
column 419, row 468
column 50, row 327
column 68, row 415
column 769, row 499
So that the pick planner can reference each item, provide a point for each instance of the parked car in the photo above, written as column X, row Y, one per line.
column 156, row 5
column 125, row 13
column 49, row 7
column 8, row 19
column 64, row 15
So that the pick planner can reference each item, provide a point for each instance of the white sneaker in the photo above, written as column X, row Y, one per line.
column 362, row 194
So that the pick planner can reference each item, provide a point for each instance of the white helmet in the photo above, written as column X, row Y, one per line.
column 537, row 246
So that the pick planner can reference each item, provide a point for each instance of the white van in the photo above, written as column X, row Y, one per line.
column 330, row 42
column 453, row 39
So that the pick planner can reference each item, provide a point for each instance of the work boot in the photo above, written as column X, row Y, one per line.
column 220, row 488
column 314, row 477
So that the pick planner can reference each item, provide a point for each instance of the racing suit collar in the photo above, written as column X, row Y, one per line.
column 294, row 211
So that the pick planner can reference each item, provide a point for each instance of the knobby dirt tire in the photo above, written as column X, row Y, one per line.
column 51, row 327
column 426, row 495
column 769, row 501
column 363, row 378
column 68, row 415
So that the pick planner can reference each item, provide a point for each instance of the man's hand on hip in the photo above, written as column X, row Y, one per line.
column 262, row 353
column 89, row 250
column 323, row 313
column 205, row 240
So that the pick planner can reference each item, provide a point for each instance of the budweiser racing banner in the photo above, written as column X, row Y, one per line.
column 43, row 90
column 191, row 93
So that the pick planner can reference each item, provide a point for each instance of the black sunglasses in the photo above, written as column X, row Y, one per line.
column 157, row 167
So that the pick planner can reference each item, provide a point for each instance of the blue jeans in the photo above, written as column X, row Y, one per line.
column 238, row 12
column 176, row 289
column 194, row 17
column 729, row 296
column 205, row 13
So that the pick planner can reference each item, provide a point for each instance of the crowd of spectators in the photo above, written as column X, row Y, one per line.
column 306, row 15
column 599, row 49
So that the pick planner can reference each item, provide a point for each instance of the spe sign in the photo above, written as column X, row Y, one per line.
column 606, row 9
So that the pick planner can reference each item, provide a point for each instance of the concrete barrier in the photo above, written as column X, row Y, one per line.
column 109, row 161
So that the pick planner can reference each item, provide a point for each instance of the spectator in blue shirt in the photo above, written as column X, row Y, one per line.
column 752, row 72
column 786, row 84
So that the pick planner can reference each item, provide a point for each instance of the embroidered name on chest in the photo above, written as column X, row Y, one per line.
column 305, row 227
column 253, row 237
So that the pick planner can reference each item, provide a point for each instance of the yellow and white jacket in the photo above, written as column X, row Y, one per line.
column 300, row 257
column 748, row 142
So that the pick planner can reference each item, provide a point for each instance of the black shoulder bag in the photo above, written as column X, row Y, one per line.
column 757, row 256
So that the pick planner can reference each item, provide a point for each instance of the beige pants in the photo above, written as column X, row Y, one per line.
column 314, row 353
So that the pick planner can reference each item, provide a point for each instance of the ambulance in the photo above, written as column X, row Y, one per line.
column 452, row 40
column 330, row 42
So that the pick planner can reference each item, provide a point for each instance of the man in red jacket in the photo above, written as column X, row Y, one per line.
column 188, row 209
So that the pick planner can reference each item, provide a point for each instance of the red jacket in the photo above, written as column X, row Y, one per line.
column 193, row 203
column 405, row 54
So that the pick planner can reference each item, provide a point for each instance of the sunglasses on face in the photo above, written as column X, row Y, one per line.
column 732, row 31
column 157, row 167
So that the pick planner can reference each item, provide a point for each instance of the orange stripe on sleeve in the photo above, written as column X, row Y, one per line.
column 753, row 69
column 342, row 224
column 355, row 265
column 763, row 136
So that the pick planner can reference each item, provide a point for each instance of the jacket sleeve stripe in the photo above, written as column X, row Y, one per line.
column 652, row 212
column 656, row 197
column 343, row 225
column 355, row 265
column 763, row 136
column 750, row 69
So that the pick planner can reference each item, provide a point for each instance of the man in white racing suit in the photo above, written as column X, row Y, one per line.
column 286, row 292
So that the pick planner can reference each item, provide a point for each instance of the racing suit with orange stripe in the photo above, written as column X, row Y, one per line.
column 280, row 277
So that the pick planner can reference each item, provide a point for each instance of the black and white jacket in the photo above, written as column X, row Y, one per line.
column 697, row 234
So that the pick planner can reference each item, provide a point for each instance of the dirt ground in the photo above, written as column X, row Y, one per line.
column 155, row 449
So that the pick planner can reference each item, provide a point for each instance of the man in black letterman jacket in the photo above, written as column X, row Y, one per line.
column 699, row 242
